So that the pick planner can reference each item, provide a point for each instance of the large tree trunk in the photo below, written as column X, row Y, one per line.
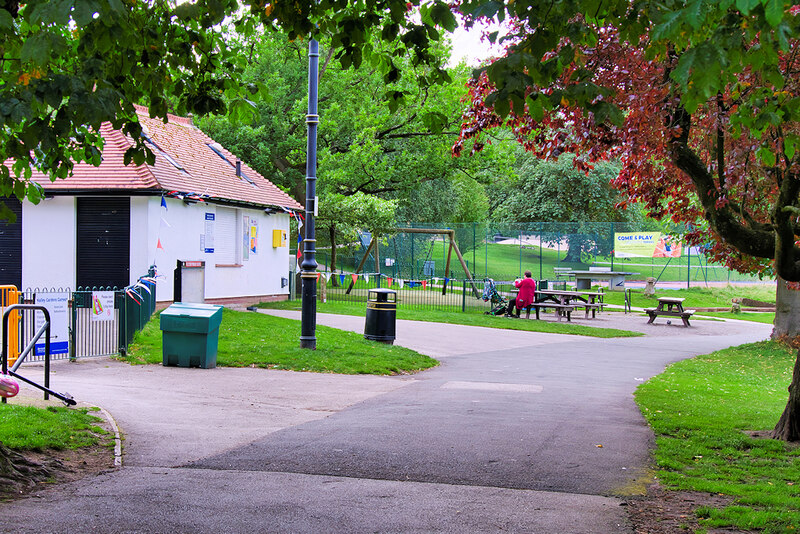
column 787, row 328
column 788, row 427
column 332, row 232
column 787, row 313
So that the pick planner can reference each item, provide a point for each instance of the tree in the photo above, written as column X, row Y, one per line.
column 699, row 101
column 70, row 65
column 556, row 191
column 365, row 149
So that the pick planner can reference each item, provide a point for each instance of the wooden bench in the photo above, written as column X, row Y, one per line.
column 683, row 314
column 560, row 309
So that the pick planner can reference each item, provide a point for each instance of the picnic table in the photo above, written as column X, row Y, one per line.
column 670, row 307
column 564, row 302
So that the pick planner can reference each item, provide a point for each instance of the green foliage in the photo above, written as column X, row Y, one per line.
column 700, row 410
column 30, row 428
column 253, row 339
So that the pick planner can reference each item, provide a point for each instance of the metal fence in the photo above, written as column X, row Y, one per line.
column 91, row 330
column 504, row 251
column 457, row 294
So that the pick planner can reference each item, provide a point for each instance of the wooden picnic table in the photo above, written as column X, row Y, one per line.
column 670, row 307
column 589, row 300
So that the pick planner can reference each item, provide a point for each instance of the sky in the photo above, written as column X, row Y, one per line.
column 467, row 45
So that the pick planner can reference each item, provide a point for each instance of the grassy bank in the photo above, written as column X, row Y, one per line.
column 469, row 318
column 701, row 410
column 248, row 339
column 38, row 429
column 696, row 297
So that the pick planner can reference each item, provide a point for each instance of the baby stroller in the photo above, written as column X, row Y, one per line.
column 499, row 302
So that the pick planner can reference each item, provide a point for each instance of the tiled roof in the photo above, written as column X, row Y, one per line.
column 177, row 144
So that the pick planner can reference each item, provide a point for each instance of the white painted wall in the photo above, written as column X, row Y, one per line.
column 49, row 236
column 179, row 227
column 48, row 243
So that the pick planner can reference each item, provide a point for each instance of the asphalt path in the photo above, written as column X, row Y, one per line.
column 515, row 431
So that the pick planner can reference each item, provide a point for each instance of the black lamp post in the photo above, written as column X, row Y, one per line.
column 308, row 323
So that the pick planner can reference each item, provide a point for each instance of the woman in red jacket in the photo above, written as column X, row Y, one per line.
column 527, row 292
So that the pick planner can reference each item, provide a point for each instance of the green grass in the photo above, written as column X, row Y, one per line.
column 469, row 318
column 700, row 409
column 756, row 317
column 696, row 297
column 248, row 339
column 38, row 429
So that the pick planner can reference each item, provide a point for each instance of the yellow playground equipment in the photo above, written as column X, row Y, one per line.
column 10, row 295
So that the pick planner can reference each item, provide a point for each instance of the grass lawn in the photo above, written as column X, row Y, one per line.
column 756, row 317
column 700, row 410
column 696, row 297
column 248, row 339
column 469, row 318
column 37, row 429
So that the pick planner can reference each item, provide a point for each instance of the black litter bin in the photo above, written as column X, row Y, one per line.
column 542, row 285
column 381, row 315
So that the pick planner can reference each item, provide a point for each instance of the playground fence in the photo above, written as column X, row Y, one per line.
column 504, row 251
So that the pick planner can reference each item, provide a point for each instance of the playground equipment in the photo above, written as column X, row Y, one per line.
column 498, row 301
column 373, row 248
column 66, row 398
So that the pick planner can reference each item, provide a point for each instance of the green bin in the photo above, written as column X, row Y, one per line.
column 190, row 334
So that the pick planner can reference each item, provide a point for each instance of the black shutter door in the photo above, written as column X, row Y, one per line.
column 11, row 246
column 103, row 244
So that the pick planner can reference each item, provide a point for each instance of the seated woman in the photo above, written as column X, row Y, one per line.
column 527, row 293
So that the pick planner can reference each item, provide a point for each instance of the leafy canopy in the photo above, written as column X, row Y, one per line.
column 698, row 99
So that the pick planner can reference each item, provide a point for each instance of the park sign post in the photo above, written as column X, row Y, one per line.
column 646, row 245
column 308, row 316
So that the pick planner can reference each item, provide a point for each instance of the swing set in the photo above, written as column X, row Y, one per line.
column 451, row 234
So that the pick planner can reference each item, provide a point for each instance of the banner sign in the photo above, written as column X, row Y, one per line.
column 57, row 305
column 646, row 245
column 102, row 305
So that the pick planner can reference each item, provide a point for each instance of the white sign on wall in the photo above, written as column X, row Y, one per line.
column 57, row 305
column 102, row 306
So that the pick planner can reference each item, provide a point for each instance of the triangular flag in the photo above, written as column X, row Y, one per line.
column 159, row 244
column 435, row 280
column 445, row 282
column 400, row 283
column 341, row 278
column 318, row 276
column 354, row 277
column 389, row 282
column 327, row 277
column 366, row 278
column 164, row 203
column 424, row 284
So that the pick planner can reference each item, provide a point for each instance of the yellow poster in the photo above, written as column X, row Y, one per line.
column 646, row 245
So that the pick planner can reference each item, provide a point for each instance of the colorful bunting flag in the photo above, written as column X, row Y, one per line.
column 164, row 203
column 354, row 277
column 400, row 283
column 341, row 278
column 159, row 244
column 366, row 278
column 389, row 282
column 424, row 284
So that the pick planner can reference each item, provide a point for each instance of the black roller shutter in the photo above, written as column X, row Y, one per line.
column 103, row 244
column 11, row 246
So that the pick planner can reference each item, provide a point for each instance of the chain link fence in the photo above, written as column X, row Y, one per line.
column 504, row 251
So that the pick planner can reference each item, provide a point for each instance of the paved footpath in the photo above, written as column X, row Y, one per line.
column 515, row 431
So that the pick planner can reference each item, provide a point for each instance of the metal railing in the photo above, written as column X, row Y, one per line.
column 100, row 321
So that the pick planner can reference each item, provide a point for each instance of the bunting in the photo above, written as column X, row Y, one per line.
column 354, row 277
column 424, row 284
column 400, row 283
column 389, row 282
column 341, row 278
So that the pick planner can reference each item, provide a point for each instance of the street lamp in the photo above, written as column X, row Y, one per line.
column 308, row 317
